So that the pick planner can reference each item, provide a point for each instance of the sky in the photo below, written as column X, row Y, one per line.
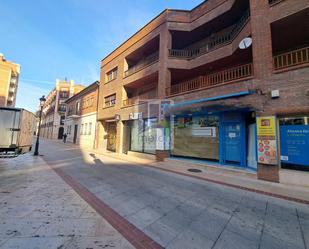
column 61, row 39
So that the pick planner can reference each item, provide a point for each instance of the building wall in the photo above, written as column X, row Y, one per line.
column 292, row 83
column 87, row 137
column 52, row 105
column 9, row 74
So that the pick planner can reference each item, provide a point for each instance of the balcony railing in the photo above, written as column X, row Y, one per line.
column 73, row 113
column 217, row 41
column 271, row 2
column 142, row 64
column 292, row 58
column 62, row 109
column 133, row 101
column 225, row 76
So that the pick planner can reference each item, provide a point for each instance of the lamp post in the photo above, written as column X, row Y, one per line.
column 42, row 102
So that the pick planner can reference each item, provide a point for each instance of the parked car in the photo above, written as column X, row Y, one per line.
column 17, row 127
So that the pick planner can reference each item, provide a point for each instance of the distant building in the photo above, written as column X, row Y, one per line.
column 81, row 116
column 9, row 74
column 54, row 108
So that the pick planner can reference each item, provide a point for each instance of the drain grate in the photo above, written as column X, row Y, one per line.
column 195, row 170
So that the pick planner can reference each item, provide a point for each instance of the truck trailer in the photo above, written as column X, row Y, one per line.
column 17, row 128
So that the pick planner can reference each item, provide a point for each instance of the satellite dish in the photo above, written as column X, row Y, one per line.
column 245, row 43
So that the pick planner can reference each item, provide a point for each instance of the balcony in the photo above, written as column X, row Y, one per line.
column 291, row 59
column 62, row 109
column 72, row 113
column 13, row 81
column 217, row 41
column 272, row 2
column 133, row 101
column 222, row 77
column 142, row 64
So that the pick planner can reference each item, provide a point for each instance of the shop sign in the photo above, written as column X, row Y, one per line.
column 135, row 115
column 266, row 139
column 204, row 132
column 294, row 141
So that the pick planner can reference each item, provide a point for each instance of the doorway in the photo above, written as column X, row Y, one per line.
column 60, row 133
column 75, row 134
column 111, row 136
column 234, row 143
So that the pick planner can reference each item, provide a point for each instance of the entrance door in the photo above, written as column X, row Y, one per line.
column 75, row 133
column 232, row 142
column 111, row 137
column 60, row 132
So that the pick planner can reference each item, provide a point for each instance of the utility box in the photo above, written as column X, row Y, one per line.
column 16, row 130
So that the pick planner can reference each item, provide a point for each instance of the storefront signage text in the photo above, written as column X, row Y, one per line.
column 266, row 139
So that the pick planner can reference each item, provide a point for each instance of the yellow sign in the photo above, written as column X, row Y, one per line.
column 267, row 144
column 266, row 126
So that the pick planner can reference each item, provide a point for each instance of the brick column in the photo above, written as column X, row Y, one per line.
column 261, row 36
column 164, row 80
column 263, row 67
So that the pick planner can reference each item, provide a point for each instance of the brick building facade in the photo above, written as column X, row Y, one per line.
column 81, row 116
column 194, row 83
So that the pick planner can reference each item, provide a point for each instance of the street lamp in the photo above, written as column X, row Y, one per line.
column 42, row 102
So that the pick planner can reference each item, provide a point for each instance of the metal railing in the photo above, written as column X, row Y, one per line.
column 217, row 41
column 133, row 101
column 224, row 76
column 142, row 64
column 292, row 58
column 271, row 2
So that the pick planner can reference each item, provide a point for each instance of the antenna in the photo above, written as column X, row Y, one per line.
column 245, row 43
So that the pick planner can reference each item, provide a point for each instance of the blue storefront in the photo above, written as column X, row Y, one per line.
column 294, row 142
column 223, row 138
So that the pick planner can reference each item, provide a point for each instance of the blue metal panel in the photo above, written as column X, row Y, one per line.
column 231, row 95
column 294, row 143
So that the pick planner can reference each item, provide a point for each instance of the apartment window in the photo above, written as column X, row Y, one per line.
column 111, row 75
column 110, row 100
column 64, row 94
column 85, row 131
column 82, row 129
column 77, row 107
column 62, row 118
column 90, row 128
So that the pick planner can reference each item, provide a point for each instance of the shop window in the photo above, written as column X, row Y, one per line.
column 150, row 135
column 143, row 136
column 196, row 136
column 294, row 143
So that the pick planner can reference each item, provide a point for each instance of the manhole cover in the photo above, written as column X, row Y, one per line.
column 195, row 170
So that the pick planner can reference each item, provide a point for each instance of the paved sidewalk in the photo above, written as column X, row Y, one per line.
column 222, row 175
column 181, row 212
column 38, row 210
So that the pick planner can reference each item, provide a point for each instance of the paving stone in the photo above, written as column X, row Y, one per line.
column 145, row 217
column 190, row 240
column 161, row 232
column 270, row 242
column 232, row 240
column 98, row 243
column 209, row 225
column 34, row 243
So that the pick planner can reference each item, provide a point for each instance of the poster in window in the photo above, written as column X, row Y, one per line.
column 267, row 144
